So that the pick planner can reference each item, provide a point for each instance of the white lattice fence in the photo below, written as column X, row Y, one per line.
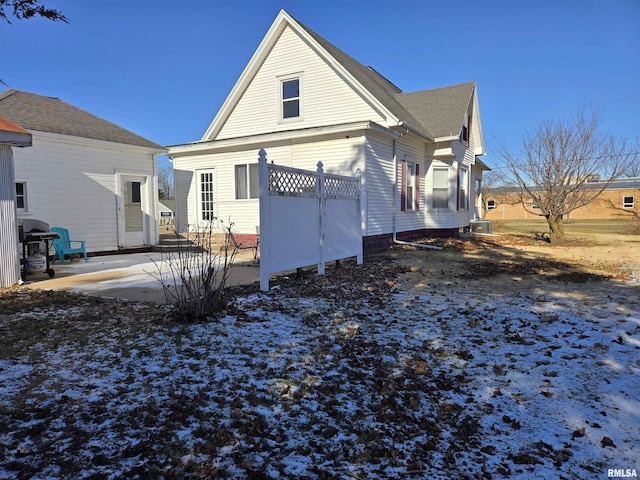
column 306, row 218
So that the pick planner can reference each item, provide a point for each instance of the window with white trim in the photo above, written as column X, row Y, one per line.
column 628, row 202
column 410, row 184
column 206, row 186
column 463, row 187
column 491, row 204
column 246, row 180
column 21, row 197
column 440, row 187
column 290, row 98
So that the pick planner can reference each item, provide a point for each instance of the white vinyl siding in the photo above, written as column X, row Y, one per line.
column 72, row 183
column 326, row 98
column 378, row 191
column 337, row 153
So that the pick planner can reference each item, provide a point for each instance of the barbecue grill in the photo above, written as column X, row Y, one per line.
column 32, row 233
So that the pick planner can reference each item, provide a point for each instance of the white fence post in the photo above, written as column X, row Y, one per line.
column 265, row 220
column 363, row 202
column 321, row 213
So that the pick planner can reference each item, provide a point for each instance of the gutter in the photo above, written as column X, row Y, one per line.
column 395, row 196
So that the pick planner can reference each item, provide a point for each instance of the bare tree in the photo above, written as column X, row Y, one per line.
column 26, row 9
column 165, row 183
column 559, row 160
column 634, row 168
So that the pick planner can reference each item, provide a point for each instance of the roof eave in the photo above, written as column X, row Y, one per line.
column 416, row 131
column 204, row 146
column 15, row 139
column 13, row 134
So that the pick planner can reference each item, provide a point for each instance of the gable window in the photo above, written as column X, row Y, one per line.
column 627, row 202
column 465, row 133
column 290, row 96
column 247, row 181
column 21, row 196
column 440, row 188
column 463, row 181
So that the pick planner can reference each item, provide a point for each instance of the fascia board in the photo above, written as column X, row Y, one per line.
column 15, row 139
column 72, row 140
column 210, row 145
column 479, row 148
column 343, row 72
column 258, row 57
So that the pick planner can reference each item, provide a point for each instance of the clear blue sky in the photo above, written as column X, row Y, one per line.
column 163, row 68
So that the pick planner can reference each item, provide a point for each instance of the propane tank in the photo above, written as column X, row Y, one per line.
column 36, row 263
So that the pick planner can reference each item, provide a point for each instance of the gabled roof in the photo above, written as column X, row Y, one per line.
column 432, row 114
column 52, row 115
column 439, row 112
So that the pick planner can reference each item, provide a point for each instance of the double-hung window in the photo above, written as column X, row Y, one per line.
column 410, row 193
column 627, row 202
column 440, row 187
column 290, row 98
column 247, row 185
column 463, row 187
column 21, row 196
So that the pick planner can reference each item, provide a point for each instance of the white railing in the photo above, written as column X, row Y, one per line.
column 306, row 218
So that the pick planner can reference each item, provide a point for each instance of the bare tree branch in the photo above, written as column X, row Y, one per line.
column 560, row 160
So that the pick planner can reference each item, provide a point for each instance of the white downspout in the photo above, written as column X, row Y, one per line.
column 395, row 193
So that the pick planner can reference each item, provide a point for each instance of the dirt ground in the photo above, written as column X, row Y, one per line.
column 518, row 261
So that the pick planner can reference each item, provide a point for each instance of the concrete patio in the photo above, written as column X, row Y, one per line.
column 128, row 276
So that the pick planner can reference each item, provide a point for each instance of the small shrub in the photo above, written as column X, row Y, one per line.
column 194, row 276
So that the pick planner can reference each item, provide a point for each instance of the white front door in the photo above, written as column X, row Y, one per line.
column 132, row 223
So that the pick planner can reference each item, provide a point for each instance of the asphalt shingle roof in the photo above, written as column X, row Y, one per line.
column 49, row 114
column 438, row 112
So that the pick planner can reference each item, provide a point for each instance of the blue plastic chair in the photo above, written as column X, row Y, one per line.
column 63, row 245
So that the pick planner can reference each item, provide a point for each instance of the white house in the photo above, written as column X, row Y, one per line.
column 304, row 100
column 84, row 173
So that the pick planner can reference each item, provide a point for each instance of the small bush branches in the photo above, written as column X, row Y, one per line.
column 194, row 276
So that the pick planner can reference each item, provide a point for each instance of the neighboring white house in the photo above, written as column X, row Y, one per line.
column 303, row 100
column 84, row 173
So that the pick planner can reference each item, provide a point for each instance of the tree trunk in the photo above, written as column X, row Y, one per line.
column 556, row 227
